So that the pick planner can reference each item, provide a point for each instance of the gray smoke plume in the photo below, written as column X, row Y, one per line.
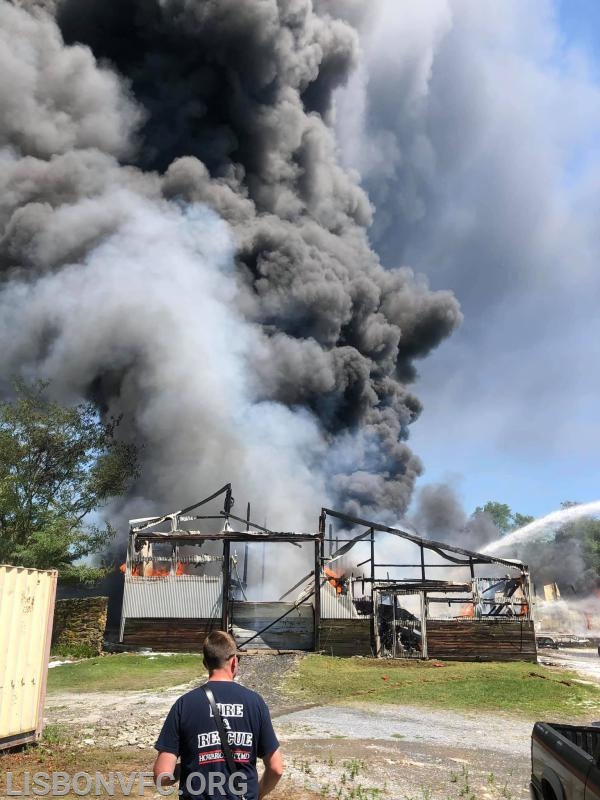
column 179, row 242
column 439, row 514
column 562, row 557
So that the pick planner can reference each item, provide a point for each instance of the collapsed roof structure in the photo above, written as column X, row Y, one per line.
column 444, row 602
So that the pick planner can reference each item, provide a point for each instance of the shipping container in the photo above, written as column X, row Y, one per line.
column 26, row 612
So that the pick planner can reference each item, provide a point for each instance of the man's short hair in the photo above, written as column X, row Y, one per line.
column 217, row 649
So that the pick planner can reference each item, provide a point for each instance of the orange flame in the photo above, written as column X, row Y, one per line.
column 137, row 570
column 337, row 581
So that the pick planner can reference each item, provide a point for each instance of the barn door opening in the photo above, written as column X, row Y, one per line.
column 273, row 626
column 400, row 624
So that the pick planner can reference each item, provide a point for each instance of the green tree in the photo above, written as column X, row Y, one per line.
column 586, row 532
column 57, row 466
column 503, row 517
column 520, row 520
column 499, row 513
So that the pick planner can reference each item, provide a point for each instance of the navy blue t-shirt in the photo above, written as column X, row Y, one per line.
column 190, row 732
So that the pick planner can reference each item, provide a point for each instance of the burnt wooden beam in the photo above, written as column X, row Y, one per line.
column 250, row 524
column 226, row 585
column 430, row 544
column 373, row 619
column 194, row 537
column 297, row 585
column 151, row 521
column 317, row 604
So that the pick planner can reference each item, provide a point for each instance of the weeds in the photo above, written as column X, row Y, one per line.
column 75, row 650
column 55, row 733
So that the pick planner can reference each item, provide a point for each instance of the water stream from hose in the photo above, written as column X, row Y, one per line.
column 544, row 526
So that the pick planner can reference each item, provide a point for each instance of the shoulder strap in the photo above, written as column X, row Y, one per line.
column 221, row 728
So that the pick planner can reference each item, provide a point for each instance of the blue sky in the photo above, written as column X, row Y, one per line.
column 532, row 479
column 476, row 130
column 579, row 21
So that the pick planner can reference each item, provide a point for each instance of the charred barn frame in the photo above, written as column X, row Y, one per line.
column 175, row 592
column 466, row 605
column 437, row 605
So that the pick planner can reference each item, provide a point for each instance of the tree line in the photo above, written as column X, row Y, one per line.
column 59, row 467
column 570, row 556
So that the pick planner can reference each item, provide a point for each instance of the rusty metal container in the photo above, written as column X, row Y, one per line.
column 26, row 612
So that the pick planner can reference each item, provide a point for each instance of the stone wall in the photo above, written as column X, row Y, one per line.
column 79, row 623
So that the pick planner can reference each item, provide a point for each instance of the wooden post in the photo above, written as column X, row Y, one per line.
column 422, row 563
column 245, row 578
column 529, row 596
column 394, row 625
column 375, row 596
column 226, row 586
column 424, row 653
column 374, row 626
column 147, row 563
column 318, row 545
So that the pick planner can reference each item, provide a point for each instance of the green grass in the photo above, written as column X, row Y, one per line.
column 527, row 689
column 125, row 671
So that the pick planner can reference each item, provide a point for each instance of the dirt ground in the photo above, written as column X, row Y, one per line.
column 354, row 751
column 357, row 751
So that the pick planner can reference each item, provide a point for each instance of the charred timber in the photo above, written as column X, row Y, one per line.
column 191, row 537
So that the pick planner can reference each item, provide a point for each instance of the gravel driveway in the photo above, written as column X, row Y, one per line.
column 388, row 752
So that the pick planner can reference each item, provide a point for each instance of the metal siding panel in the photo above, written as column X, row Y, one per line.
column 336, row 606
column 180, row 597
column 293, row 632
column 26, row 606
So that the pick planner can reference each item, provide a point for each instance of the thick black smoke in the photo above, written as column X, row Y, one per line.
column 294, row 367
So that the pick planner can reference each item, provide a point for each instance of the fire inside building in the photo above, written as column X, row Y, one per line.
column 427, row 599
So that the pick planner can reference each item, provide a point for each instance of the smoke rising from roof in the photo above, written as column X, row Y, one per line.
column 439, row 514
column 553, row 551
column 180, row 242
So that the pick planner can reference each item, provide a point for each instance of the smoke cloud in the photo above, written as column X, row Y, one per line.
column 474, row 129
column 439, row 514
column 556, row 551
column 180, row 242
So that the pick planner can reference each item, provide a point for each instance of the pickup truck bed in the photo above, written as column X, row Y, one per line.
column 565, row 762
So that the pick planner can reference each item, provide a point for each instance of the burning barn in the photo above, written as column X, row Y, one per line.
column 444, row 602
column 176, row 591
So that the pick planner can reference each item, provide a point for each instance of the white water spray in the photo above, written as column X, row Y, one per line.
column 548, row 524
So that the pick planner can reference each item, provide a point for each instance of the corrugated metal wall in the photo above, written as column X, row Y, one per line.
column 26, row 609
column 179, row 597
column 336, row 606
column 293, row 632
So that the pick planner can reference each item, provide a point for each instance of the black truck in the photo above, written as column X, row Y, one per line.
column 565, row 762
